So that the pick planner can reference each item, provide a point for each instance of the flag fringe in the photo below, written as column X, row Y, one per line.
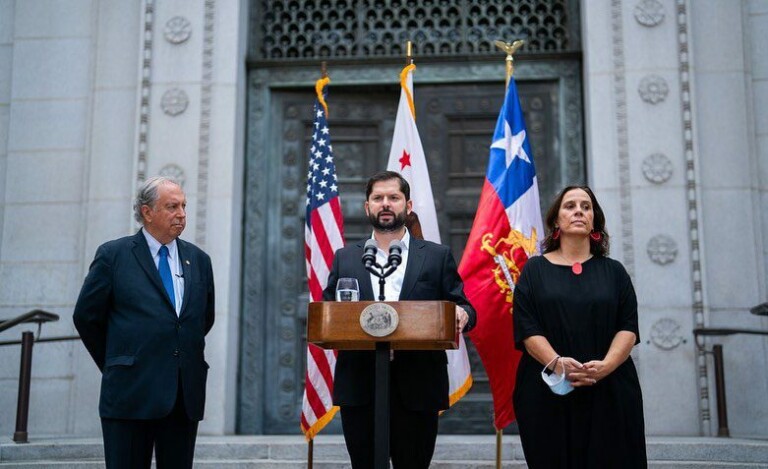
column 461, row 391
column 312, row 431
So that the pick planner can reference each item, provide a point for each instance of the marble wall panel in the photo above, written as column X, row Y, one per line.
column 8, row 7
column 53, row 18
column 117, row 53
column 42, row 125
column 5, row 112
column 661, row 211
column 6, row 59
column 113, row 144
column 178, row 63
column 86, row 389
column 723, row 144
column 670, row 395
column 760, row 91
column 49, row 406
column 758, row 24
column 223, row 154
column 230, row 43
column 647, row 49
column 602, row 168
column 39, row 285
column 174, row 139
column 43, row 233
column 44, row 177
column 729, row 242
column 51, row 68
column 717, row 33
column 757, row 7
column 595, row 28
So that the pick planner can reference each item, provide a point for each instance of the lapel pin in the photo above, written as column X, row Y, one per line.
column 187, row 262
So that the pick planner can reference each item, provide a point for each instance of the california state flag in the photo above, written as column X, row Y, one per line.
column 407, row 158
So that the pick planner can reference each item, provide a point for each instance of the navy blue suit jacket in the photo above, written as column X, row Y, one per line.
column 419, row 377
column 131, row 330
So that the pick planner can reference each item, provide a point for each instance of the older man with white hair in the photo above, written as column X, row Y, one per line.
column 143, row 313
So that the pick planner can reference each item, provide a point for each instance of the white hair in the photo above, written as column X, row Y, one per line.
column 147, row 194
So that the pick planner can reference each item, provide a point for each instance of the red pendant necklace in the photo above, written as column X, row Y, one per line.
column 576, row 267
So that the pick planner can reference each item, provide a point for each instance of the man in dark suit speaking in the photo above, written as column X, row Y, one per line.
column 143, row 313
column 419, row 379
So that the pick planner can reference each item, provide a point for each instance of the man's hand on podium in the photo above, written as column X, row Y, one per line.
column 461, row 318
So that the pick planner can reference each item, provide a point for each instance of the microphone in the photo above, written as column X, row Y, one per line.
column 179, row 275
column 395, row 253
column 369, row 253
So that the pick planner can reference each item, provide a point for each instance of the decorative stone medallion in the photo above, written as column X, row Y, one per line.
column 379, row 319
column 657, row 168
column 177, row 30
column 653, row 89
column 649, row 12
column 662, row 249
column 665, row 334
column 174, row 172
column 174, row 102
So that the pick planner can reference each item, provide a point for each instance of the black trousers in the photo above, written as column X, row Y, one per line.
column 128, row 443
column 412, row 435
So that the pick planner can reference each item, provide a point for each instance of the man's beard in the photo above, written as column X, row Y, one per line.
column 397, row 222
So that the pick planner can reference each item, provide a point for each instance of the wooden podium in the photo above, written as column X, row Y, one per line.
column 421, row 325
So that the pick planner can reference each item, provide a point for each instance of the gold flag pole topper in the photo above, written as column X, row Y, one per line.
column 509, row 49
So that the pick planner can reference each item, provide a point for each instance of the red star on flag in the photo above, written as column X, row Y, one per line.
column 405, row 160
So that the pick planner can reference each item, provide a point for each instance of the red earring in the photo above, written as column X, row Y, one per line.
column 556, row 233
column 596, row 236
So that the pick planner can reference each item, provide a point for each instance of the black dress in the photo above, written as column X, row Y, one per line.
column 598, row 426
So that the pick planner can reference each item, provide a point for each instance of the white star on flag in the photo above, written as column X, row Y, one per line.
column 512, row 145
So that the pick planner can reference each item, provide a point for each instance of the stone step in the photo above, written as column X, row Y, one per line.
column 452, row 452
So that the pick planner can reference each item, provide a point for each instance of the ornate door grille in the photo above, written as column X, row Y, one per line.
column 368, row 29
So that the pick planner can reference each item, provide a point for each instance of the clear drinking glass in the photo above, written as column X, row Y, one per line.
column 347, row 289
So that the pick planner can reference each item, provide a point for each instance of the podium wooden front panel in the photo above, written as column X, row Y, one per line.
column 423, row 325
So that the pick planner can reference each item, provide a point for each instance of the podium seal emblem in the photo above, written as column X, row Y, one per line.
column 379, row 319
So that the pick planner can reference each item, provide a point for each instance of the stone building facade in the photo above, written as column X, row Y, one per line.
column 660, row 105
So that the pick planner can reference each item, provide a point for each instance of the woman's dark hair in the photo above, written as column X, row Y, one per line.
column 597, row 248
column 387, row 176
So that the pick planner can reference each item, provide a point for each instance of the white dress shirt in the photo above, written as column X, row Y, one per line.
column 394, row 283
column 177, row 273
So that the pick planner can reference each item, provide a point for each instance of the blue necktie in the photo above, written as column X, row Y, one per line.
column 165, row 274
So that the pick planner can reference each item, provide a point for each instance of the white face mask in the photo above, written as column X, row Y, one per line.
column 557, row 383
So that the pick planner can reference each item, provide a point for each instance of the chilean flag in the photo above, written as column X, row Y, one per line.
column 507, row 231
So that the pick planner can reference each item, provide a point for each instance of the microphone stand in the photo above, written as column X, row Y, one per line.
column 382, row 274
column 381, row 393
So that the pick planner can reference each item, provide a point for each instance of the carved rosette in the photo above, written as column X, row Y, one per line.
column 649, row 12
column 657, row 168
column 665, row 334
column 177, row 30
column 653, row 89
column 662, row 249
column 174, row 102
column 174, row 172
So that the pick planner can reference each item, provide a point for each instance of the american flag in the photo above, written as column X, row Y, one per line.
column 323, row 235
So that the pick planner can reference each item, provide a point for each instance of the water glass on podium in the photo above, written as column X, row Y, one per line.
column 347, row 289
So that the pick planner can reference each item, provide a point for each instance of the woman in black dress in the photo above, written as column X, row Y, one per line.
column 575, row 314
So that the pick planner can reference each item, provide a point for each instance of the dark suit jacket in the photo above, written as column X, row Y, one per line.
column 419, row 377
column 131, row 330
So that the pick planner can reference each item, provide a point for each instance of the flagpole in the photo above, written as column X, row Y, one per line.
column 509, row 49
column 311, row 442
